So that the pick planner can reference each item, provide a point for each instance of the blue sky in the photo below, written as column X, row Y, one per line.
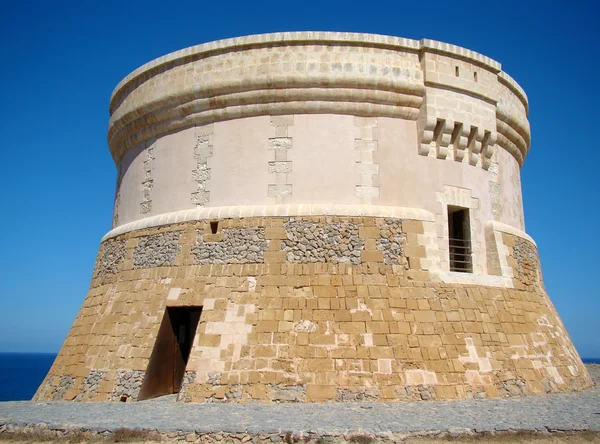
column 61, row 61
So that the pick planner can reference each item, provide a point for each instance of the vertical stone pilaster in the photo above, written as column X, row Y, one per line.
column 148, row 182
column 117, row 195
column 280, row 166
column 365, row 146
column 494, row 187
column 201, row 175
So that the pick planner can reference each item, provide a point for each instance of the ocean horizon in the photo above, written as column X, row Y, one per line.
column 22, row 373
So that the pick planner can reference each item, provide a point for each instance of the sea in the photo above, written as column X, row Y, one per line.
column 22, row 373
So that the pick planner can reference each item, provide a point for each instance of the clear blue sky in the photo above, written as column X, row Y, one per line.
column 61, row 61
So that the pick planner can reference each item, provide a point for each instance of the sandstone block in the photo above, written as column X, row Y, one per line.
column 371, row 256
column 320, row 393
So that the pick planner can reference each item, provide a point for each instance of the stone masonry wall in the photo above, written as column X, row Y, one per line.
column 127, row 385
column 157, row 250
column 528, row 267
column 391, row 242
column 112, row 254
column 281, row 331
column 307, row 241
column 233, row 246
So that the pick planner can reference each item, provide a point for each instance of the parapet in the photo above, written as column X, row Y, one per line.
column 325, row 72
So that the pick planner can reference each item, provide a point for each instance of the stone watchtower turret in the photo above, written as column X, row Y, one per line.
column 317, row 217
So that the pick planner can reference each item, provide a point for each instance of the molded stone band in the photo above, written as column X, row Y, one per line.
column 233, row 212
column 204, row 110
column 513, row 136
column 290, row 38
column 503, row 228
column 349, row 74
column 511, row 84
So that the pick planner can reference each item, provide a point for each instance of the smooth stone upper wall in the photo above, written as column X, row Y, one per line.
column 321, row 118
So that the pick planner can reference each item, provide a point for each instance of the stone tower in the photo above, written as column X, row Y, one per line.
column 317, row 216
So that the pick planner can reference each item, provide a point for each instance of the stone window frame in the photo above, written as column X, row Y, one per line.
column 461, row 243
column 458, row 197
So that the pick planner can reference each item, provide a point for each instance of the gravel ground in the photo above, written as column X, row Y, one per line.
column 555, row 412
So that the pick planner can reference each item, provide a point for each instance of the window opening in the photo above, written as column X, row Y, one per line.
column 459, row 240
column 214, row 226
column 475, row 76
column 456, row 71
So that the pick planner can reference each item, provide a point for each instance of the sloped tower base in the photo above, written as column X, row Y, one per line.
column 368, row 325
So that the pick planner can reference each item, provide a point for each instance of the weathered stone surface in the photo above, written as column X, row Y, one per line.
column 358, row 394
column 361, row 331
column 90, row 384
column 239, row 245
column 391, row 241
column 127, row 385
column 308, row 242
column 65, row 383
column 157, row 250
column 110, row 258
column 528, row 264
column 288, row 393
column 188, row 378
column 347, row 422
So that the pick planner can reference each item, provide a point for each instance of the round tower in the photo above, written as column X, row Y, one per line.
column 317, row 216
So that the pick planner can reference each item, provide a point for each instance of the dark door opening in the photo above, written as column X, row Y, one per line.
column 171, row 352
column 459, row 239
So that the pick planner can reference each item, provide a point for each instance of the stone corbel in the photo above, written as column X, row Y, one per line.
column 444, row 129
column 489, row 145
column 426, row 130
column 474, row 144
column 461, row 138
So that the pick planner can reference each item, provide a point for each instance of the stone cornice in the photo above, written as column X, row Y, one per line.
column 235, row 212
column 515, row 89
column 326, row 72
column 302, row 37
column 503, row 228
